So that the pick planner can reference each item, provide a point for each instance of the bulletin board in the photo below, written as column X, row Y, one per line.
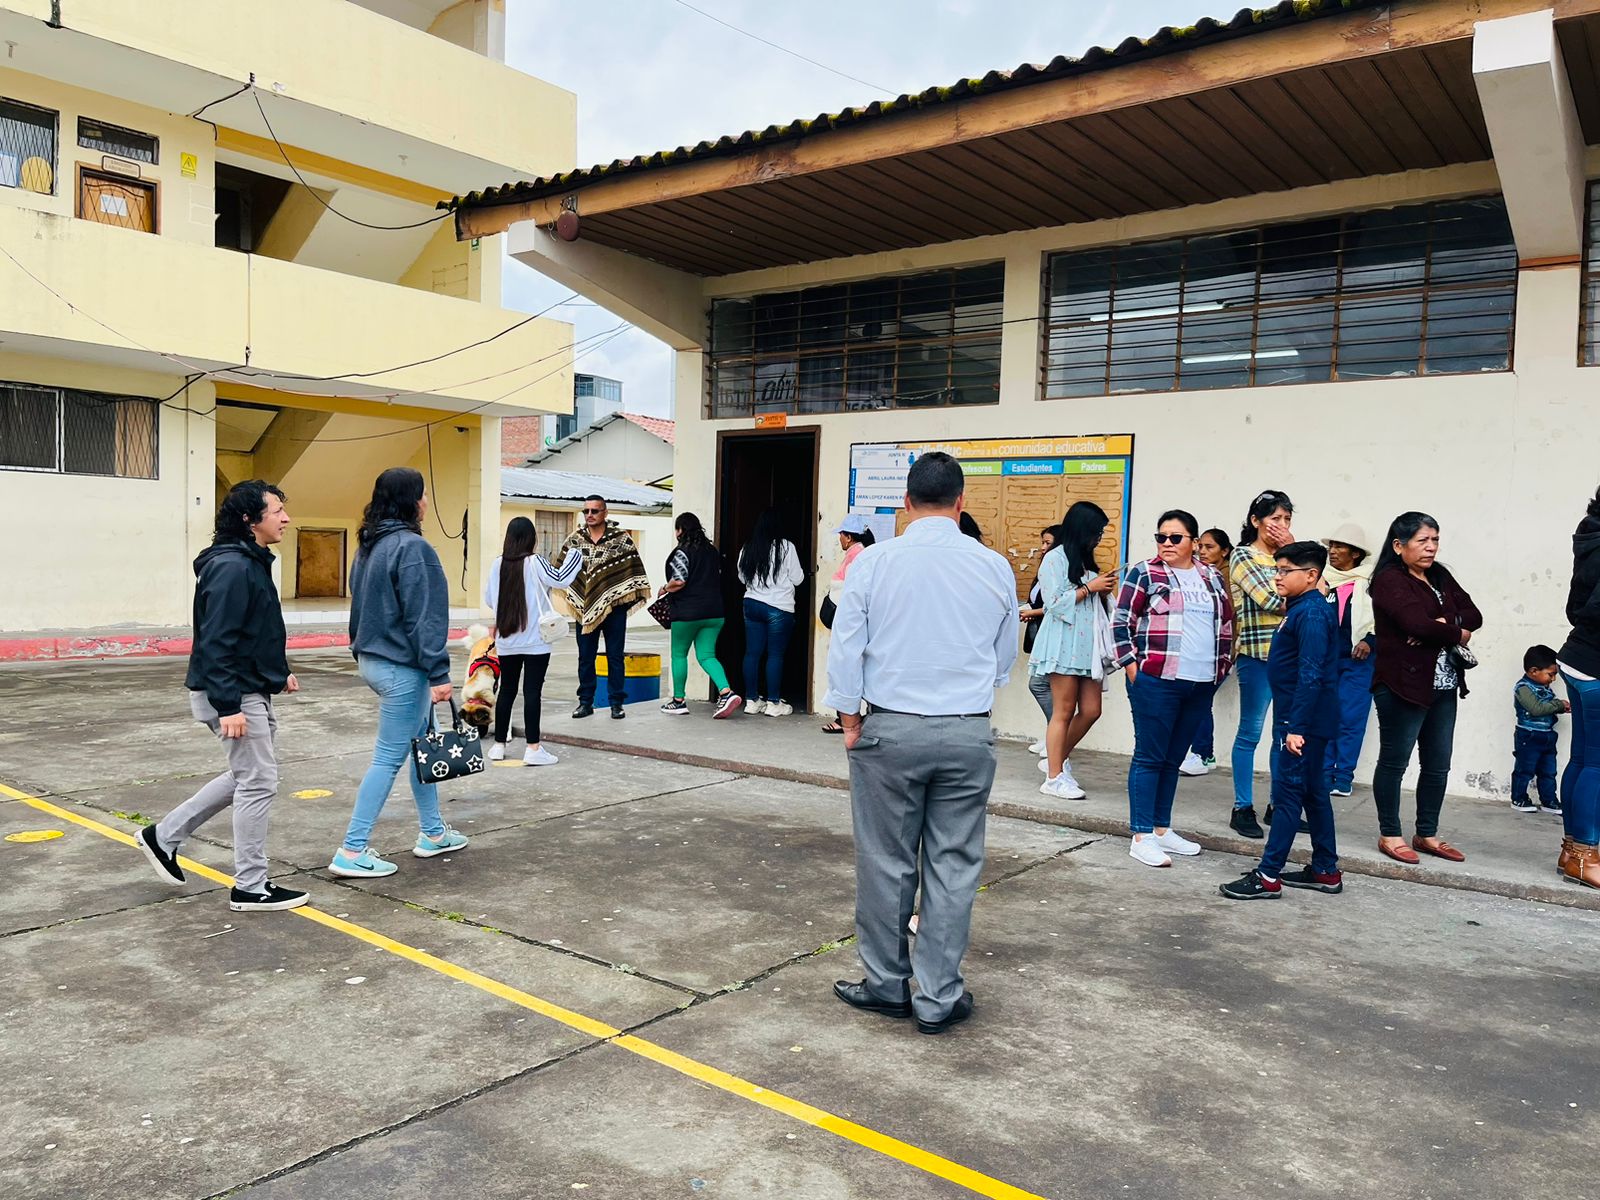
column 1015, row 487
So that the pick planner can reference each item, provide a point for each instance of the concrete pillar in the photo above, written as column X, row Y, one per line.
column 200, row 467
column 484, row 534
column 1533, row 132
column 1019, row 337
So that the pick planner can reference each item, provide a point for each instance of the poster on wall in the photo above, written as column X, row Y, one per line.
column 1015, row 488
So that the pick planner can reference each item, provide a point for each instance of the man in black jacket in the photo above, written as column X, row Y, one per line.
column 235, row 668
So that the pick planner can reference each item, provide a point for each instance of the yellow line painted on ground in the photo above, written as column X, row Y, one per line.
column 861, row 1135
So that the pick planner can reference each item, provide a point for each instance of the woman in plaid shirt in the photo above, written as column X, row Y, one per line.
column 1173, row 629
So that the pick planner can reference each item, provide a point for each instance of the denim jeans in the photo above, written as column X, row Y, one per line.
column 766, row 633
column 1534, row 757
column 1299, row 784
column 615, row 630
column 1580, row 784
column 1402, row 728
column 403, row 710
column 1255, row 697
column 1355, row 705
column 1166, row 712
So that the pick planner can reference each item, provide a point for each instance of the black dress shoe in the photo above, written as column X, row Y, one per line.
column 857, row 996
column 959, row 1012
column 583, row 710
column 617, row 712
column 1267, row 820
column 1244, row 823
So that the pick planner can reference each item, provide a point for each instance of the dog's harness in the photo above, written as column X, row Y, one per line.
column 491, row 661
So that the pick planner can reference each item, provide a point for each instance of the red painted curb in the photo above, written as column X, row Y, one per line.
column 146, row 645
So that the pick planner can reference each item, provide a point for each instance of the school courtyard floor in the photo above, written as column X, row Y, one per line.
column 621, row 989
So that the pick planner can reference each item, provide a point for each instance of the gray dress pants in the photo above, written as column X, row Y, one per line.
column 919, row 793
column 250, row 784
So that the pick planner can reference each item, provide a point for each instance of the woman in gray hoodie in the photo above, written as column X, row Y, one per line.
column 399, row 626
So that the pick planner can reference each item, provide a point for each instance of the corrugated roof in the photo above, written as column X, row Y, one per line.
column 1166, row 40
column 534, row 483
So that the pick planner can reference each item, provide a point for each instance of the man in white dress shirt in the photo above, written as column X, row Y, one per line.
column 926, row 630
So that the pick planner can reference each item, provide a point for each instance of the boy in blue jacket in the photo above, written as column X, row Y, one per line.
column 1537, row 708
column 1304, row 673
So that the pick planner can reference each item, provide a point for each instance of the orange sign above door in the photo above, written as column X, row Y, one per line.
column 775, row 420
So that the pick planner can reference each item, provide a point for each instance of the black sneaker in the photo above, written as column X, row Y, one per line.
column 1244, row 823
column 1313, row 881
column 1267, row 820
column 274, row 899
column 1550, row 805
column 675, row 708
column 1523, row 805
column 617, row 712
column 1252, row 887
column 583, row 710
column 166, row 865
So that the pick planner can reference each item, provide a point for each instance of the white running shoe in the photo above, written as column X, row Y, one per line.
column 540, row 758
column 778, row 708
column 1174, row 842
column 755, row 707
column 497, row 752
column 1062, row 787
column 1193, row 765
column 1037, row 747
column 1147, row 850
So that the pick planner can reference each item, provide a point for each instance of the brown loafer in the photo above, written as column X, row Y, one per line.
column 1400, row 853
column 1439, row 849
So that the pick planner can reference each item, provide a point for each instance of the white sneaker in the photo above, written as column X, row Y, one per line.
column 1066, row 768
column 1062, row 787
column 1037, row 747
column 1174, row 842
column 1147, row 850
column 755, row 707
column 497, row 752
column 540, row 758
column 777, row 708
column 1192, row 765
column 1338, row 791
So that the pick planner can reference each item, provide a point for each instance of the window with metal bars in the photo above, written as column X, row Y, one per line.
column 123, row 143
column 77, row 433
column 914, row 341
column 1589, row 306
column 27, row 147
column 1427, row 289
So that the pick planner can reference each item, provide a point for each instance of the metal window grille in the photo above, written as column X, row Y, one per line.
column 27, row 147
column 1422, row 290
column 113, row 139
column 78, row 433
column 1589, row 312
column 552, row 527
column 914, row 341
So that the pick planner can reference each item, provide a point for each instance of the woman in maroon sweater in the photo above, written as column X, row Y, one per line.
column 1422, row 614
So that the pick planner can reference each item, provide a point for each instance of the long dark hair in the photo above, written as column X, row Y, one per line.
column 1220, row 538
column 863, row 539
column 1077, row 536
column 244, row 505
column 1402, row 529
column 511, row 606
column 691, row 533
column 1262, row 507
column 758, row 561
column 396, row 496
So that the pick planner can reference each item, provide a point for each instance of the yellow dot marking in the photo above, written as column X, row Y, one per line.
column 35, row 835
column 509, row 763
column 312, row 794
column 861, row 1135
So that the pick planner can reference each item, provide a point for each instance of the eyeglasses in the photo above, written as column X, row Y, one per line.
column 593, row 512
column 1285, row 572
column 1170, row 539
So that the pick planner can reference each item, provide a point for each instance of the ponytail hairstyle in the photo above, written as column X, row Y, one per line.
column 1220, row 538
column 1077, row 536
column 511, row 606
column 1262, row 507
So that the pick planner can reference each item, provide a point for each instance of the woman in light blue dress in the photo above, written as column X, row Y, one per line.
column 1067, row 650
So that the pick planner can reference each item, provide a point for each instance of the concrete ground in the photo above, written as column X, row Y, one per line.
column 621, row 989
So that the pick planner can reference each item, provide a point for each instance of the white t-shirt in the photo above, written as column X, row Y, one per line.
column 1197, row 650
column 778, row 589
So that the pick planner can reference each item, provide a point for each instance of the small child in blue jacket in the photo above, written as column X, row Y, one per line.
column 1537, row 708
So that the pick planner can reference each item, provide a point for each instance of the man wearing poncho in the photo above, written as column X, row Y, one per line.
column 611, row 585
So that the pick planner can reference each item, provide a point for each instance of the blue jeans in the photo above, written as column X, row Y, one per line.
column 766, row 633
column 615, row 630
column 1355, row 704
column 1580, row 784
column 1299, row 784
column 1166, row 712
column 1255, row 697
column 1534, row 752
column 403, row 708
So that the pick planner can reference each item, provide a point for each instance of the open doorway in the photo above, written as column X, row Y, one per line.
column 757, row 469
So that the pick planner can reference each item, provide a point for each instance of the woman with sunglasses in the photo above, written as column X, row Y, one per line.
column 1253, row 582
column 1173, row 629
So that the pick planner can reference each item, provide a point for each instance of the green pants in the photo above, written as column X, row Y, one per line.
column 703, row 635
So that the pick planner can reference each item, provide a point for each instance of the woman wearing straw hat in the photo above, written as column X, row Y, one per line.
column 1349, row 575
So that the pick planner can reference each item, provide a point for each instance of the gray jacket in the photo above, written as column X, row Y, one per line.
column 400, row 602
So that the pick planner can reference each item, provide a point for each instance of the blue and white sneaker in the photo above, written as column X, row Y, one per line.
column 365, row 865
column 447, row 841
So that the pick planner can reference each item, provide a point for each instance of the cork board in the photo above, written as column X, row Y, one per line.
column 1015, row 488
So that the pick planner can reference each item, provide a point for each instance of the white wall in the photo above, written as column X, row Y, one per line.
column 620, row 450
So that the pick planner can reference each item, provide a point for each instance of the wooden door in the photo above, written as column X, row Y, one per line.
column 319, row 562
column 115, row 200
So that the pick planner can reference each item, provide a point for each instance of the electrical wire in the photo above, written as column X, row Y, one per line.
column 877, row 87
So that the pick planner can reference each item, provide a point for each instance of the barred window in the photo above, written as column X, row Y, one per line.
column 77, row 433
column 1427, row 289
column 914, row 341
column 113, row 139
column 1589, row 313
column 27, row 147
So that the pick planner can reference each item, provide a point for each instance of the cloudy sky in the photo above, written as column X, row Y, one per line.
column 655, row 74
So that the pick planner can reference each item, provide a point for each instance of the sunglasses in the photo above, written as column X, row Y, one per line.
column 593, row 512
column 1170, row 539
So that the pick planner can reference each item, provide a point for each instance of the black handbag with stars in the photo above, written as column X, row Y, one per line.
column 444, row 754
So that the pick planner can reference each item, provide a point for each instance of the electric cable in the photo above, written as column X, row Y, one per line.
column 877, row 87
